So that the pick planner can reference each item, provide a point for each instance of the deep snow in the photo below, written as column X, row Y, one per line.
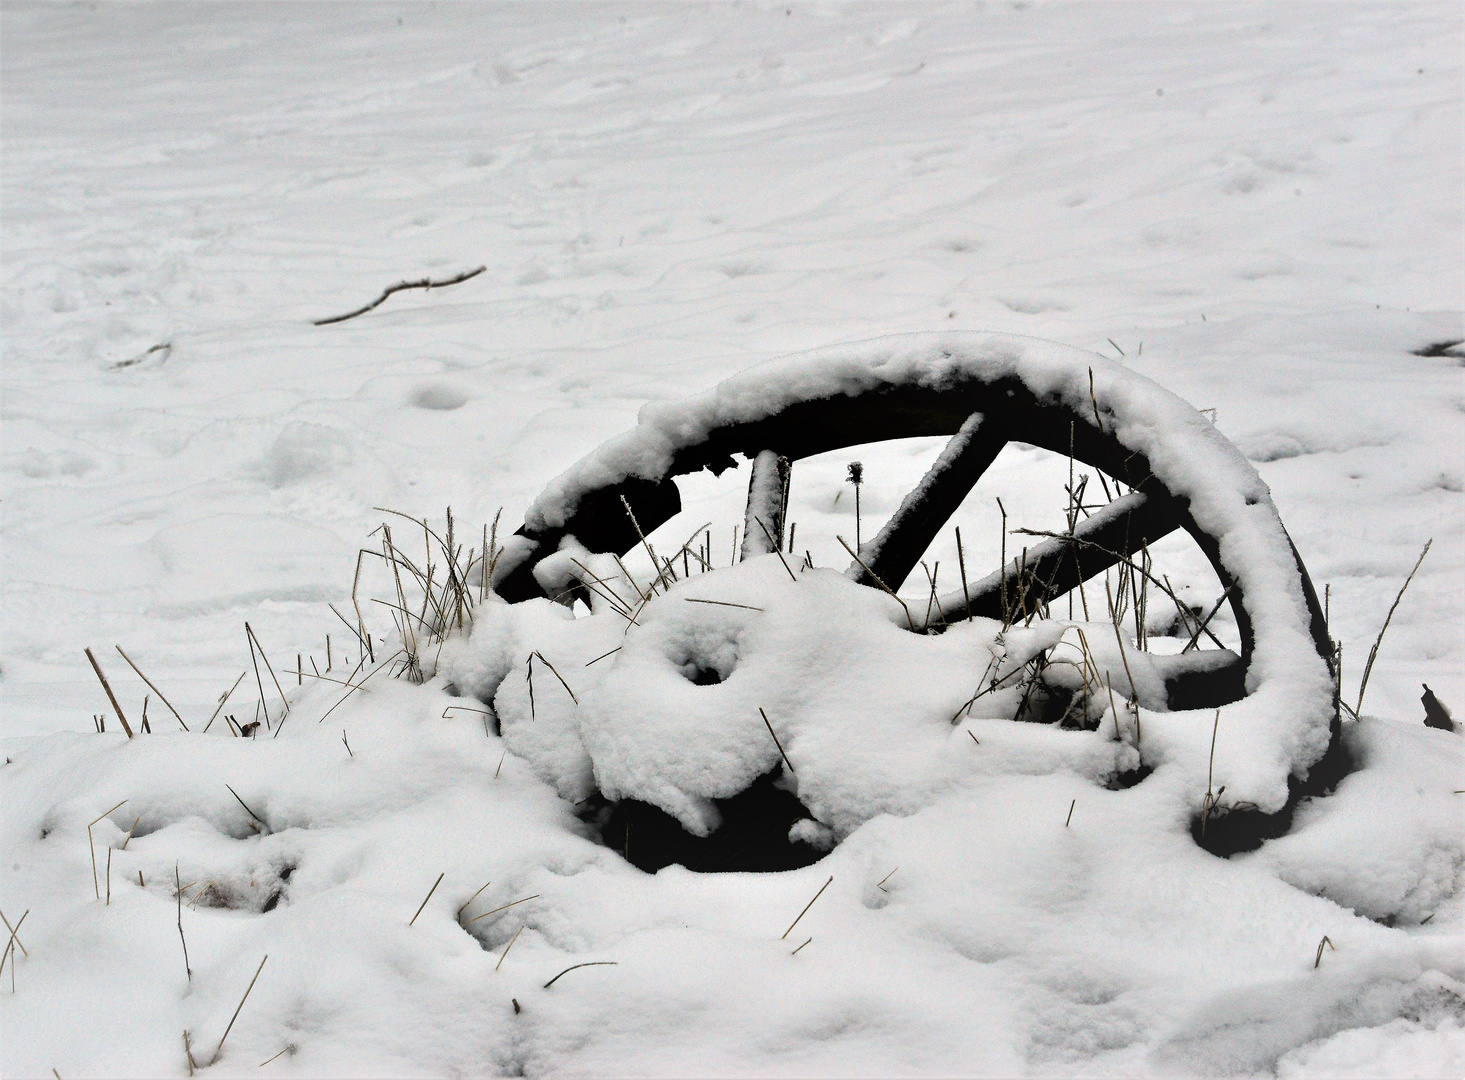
column 1257, row 207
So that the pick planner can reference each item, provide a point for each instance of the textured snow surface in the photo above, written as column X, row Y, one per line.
column 1256, row 207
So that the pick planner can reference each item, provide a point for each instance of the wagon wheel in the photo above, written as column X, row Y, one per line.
column 1174, row 469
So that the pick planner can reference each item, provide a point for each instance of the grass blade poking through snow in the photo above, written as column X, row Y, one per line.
column 1373, row 653
column 155, row 690
column 110, row 696
column 776, row 743
column 428, row 897
column 573, row 967
column 242, row 1000
column 96, row 885
column 807, row 906
column 178, row 891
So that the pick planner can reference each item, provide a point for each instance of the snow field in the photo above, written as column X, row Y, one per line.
column 1255, row 207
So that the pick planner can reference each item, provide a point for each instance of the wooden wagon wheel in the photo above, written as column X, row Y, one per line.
column 1175, row 471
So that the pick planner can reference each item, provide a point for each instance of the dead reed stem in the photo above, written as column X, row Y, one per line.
column 807, row 907
column 225, row 698
column 15, row 931
column 1318, row 959
column 910, row 622
column 242, row 1000
column 504, row 907
column 557, row 675
column 507, row 947
column 470, row 900
column 154, row 689
column 776, row 743
column 428, row 897
column 778, row 550
column 723, row 603
column 110, row 696
column 572, row 967
column 96, row 886
column 1373, row 652
column 178, row 891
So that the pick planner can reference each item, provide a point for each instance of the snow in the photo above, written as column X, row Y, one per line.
column 1254, row 207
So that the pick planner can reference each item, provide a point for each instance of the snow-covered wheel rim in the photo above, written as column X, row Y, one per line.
column 985, row 390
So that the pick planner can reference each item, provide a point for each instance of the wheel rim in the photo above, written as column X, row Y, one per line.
column 1177, row 472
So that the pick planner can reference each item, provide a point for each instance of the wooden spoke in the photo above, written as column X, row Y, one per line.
column 894, row 552
column 601, row 524
column 1054, row 565
column 767, row 505
column 1202, row 680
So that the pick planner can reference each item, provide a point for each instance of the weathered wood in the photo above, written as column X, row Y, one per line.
column 767, row 505
column 894, row 552
column 1055, row 565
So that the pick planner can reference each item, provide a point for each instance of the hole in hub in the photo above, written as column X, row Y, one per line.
column 754, row 837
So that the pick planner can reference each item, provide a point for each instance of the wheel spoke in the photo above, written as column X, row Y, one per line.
column 894, row 552
column 1202, row 680
column 1057, row 564
column 767, row 505
column 600, row 523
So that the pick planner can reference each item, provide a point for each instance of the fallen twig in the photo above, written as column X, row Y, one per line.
column 425, row 283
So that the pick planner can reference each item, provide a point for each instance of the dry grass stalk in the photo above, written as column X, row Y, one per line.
column 507, row 947
column 10, row 948
column 428, row 897
column 96, row 885
column 807, row 907
column 242, row 1000
column 223, row 699
column 881, row 883
column 289, row 1048
column 961, row 562
column 557, row 675
column 154, row 689
column 1318, row 959
column 109, row 877
column 603, row 655
column 1002, row 565
column 1210, row 800
column 348, row 745
column 254, row 639
column 470, row 900
column 187, row 1052
column 178, row 892
column 110, row 696
column 776, row 743
column 247, row 810
column 1373, row 652
column 1201, row 626
column 504, row 907
column 655, row 566
column 909, row 620
column 572, row 967
column 15, row 931
column 357, row 686
column 778, row 550
column 1070, row 813
column 801, row 947
column 723, row 603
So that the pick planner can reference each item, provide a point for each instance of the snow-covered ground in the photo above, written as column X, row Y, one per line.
column 1258, row 207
